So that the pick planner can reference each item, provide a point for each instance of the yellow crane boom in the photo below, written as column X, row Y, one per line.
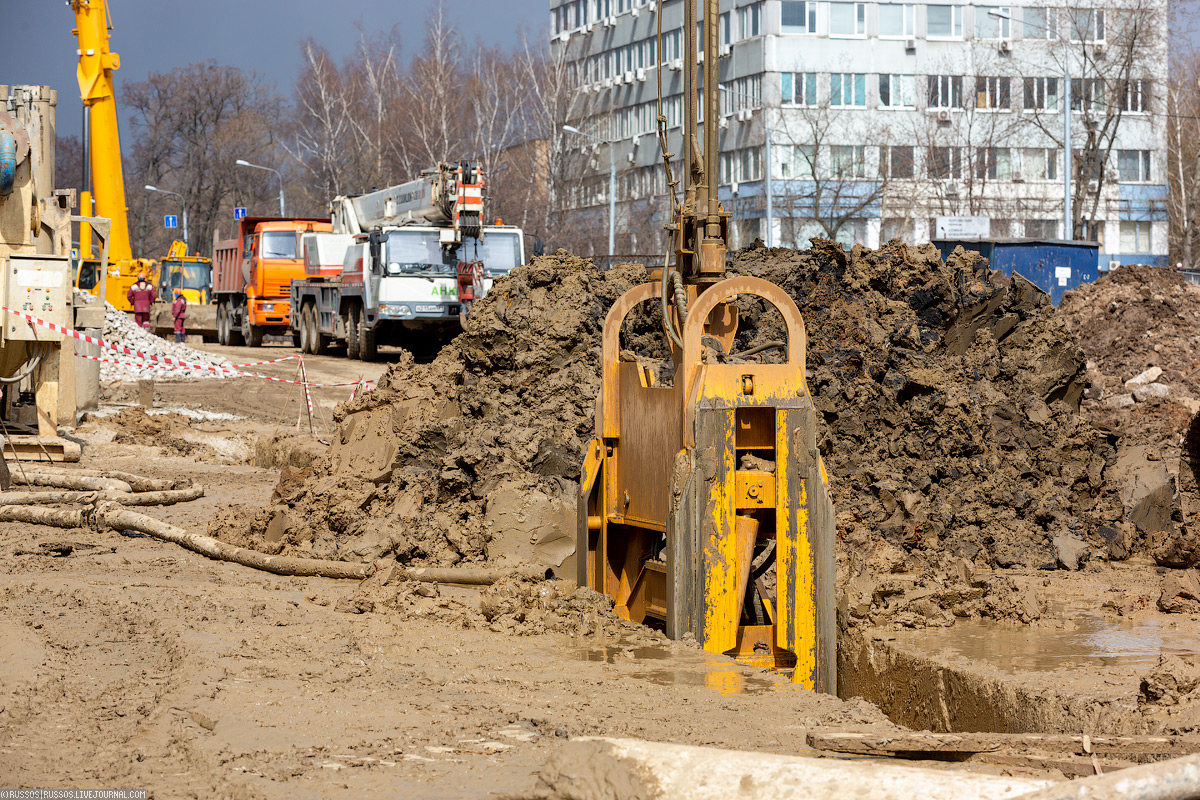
column 102, row 141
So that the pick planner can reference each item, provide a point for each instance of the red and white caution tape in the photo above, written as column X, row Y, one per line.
column 260, row 363
column 116, row 348
column 234, row 373
column 307, row 394
column 163, row 362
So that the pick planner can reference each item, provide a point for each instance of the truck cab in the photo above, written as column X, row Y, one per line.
column 253, row 276
column 413, row 278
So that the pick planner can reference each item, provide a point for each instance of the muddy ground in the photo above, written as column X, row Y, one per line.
column 134, row 663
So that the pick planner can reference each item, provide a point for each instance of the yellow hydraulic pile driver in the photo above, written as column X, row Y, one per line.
column 704, row 504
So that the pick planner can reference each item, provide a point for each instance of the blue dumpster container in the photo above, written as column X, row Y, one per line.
column 1055, row 266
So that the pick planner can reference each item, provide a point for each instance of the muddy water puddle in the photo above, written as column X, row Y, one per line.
column 664, row 667
column 1084, row 640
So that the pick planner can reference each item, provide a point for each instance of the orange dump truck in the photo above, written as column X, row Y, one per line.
column 252, row 276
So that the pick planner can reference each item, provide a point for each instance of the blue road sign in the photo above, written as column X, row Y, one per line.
column 239, row 213
column 170, row 221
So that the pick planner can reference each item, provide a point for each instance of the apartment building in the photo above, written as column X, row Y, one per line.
column 869, row 121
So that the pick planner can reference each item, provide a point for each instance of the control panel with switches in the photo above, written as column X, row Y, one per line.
column 39, row 285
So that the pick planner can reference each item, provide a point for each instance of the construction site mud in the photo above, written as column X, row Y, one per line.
column 982, row 494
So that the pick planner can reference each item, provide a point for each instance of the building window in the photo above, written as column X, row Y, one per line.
column 898, row 21
column 1087, row 93
column 1135, row 237
column 897, row 91
column 944, row 22
column 671, row 43
column 848, row 161
column 1087, row 24
column 799, row 88
column 1041, row 94
column 993, row 163
column 1133, row 166
column 800, row 162
column 749, row 19
column 993, row 93
column 847, row 19
column 741, row 165
column 945, row 162
column 847, row 90
column 739, row 94
column 945, row 91
column 1041, row 228
column 1040, row 163
column 1136, row 97
column 1039, row 23
column 799, row 17
column 896, row 161
column 726, row 25
column 990, row 27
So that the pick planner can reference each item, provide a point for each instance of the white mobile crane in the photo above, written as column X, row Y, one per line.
column 401, row 265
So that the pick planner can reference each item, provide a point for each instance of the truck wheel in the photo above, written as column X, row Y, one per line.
column 368, row 350
column 233, row 333
column 301, row 338
column 253, row 334
column 320, row 342
column 352, row 332
column 222, row 324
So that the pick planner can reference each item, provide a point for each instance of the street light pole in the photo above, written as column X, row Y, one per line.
column 612, row 185
column 1068, row 166
column 243, row 163
column 182, row 202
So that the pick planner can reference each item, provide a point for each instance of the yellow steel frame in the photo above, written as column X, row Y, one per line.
column 669, row 522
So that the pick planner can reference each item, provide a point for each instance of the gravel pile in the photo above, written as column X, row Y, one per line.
column 120, row 329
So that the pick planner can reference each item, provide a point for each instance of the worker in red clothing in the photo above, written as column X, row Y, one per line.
column 179, row 312
column 141, row 296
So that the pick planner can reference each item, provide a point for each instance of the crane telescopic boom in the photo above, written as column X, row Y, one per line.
column 104, row 180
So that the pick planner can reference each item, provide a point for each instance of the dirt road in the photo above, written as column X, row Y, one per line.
column 134, row 663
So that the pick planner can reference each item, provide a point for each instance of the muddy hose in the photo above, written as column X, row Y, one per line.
column 111, row 515
column 758, row 348
column 467, row 576
column 63, row 480
column 664, row 305
column 107, row 514
column 137, row 483
column 1178, row 779
column 163, row 498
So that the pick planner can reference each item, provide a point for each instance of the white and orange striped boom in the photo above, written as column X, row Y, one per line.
column 450, row 195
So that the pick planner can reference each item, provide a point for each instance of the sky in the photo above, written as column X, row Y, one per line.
column 259, row 35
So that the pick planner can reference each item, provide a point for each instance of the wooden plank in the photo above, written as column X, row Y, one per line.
column 971, row 743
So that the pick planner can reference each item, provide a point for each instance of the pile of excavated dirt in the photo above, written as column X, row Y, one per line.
column 1134, row 319
column 475, row 453
column 950, row 397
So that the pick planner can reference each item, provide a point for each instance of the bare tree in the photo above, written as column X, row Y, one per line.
column 189, row 126
column 321, row 124
column 434, row 93
column 832, row 176
column 1112, row 52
